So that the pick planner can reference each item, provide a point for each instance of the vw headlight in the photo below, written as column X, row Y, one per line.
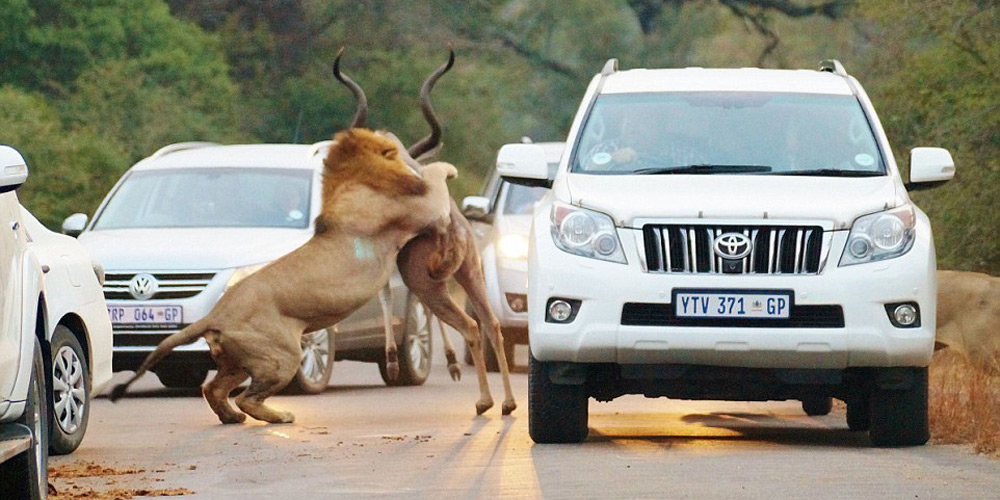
column 513, row 247
column 880, row 236
column 242, row 272
column 586, row 233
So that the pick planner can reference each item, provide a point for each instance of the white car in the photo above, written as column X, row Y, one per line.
column 24, row 428
column 191, row 220
column 501, row 217
column 78, row 331
column 735, row 234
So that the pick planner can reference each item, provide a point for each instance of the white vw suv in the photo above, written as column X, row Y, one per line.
column 734, row 234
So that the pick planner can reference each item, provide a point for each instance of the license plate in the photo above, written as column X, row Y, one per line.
column 146, row 315
column 732, row 304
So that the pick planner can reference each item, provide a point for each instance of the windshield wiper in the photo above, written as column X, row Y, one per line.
column 832, row 172
column 704, row 169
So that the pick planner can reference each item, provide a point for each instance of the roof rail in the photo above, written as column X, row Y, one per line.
column 317, row 147
column 610, row 67
column 832, row 66
column 181, row 146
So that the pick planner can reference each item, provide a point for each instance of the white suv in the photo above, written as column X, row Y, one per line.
column 24, row 426
column 186, row 223
column 735, row 234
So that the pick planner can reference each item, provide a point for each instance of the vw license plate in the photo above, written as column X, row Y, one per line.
column 732, row 304
column 146, row 315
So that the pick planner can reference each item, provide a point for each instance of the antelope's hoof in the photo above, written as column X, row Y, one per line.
column 482, row 406
column 455, row 371
column 392, row 370
column 236, row 418
column 508, row 407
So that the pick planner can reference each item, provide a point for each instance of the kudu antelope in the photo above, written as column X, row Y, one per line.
column 428, row 261
column 372, row 201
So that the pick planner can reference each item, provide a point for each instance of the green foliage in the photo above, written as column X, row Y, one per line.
column 70, row 169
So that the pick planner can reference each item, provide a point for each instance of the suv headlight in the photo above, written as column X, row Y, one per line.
column 880, row 236
column 586, row 233
column 242, row 272
column 513, row 247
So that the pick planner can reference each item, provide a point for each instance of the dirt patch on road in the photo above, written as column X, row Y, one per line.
column 90, row 481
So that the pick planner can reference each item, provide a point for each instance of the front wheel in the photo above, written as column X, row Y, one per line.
column 899, row 415
column 26, row 476
column 817, row 406
column 69, row 407
column 557, row 413
column 318, row 352
column 415, row 350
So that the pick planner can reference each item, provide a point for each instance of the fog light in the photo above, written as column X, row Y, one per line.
column 518, row 302
column 560, row 310
column 905, row 314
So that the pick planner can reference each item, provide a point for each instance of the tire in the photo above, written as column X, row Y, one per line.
column 182, row 377
column 556, row 413
column 817, row 406
column 415, row 351
column 69, row 408
column 899, row 416
column 26, row 476
column 858, row 415
column 319, row 349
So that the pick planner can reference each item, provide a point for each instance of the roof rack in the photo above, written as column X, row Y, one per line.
column 610, row 67
column 181, row 146
column 317, row 147
column 832, row 66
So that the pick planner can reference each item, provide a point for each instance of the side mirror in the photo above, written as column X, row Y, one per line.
column 13, row 169
column 476, row 207
column 524, row 164
column 74, row 224
column 930, row 167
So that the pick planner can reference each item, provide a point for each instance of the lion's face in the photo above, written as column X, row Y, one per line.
column 361, row 156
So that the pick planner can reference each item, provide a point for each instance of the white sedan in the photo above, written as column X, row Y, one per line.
column 78, row 329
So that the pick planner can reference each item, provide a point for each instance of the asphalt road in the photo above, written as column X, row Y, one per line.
column 361, row 439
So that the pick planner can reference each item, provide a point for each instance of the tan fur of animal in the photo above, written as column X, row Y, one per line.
column 968, row 317
column 371, row 201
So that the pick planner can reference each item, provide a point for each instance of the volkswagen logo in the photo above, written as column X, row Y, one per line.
column 143, row 286
column 732, row 246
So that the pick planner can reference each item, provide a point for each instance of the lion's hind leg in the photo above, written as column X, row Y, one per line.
column 229, row 376
column 268, row 376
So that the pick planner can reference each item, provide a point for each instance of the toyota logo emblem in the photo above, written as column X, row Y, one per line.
column 143, row 286
column 732, row 246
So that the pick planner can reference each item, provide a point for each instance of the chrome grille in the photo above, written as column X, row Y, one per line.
column 170, row 285
column 679, row 248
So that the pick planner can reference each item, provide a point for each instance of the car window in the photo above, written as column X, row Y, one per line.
column 210, row 197
column 751, row 132
column 520, row 199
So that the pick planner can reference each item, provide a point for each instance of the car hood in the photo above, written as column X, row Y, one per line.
column 629, row 198
column 190, row 248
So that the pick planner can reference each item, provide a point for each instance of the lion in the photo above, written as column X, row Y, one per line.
column 373, row 203
column 968, row 317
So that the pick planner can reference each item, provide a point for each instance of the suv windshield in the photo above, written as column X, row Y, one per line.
column 728, row 133
column 210, row 197
column 520, row 200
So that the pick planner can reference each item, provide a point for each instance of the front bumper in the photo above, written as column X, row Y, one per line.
column 598, row 334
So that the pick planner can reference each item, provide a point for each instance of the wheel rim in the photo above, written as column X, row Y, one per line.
column 419, row 338
column 315, row 355
column 69, row 390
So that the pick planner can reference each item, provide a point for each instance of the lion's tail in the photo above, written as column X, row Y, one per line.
column 186, row 336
